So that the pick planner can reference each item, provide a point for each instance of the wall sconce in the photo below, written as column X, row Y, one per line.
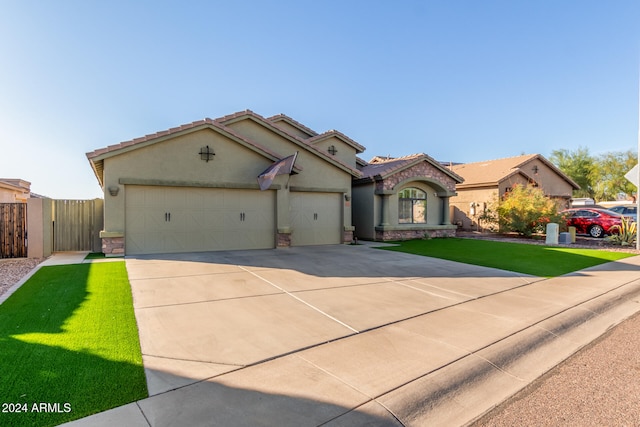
column 114, row 190
column 347, row 197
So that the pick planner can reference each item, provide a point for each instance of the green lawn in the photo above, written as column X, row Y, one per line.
column 69, row 345
column 537, row 260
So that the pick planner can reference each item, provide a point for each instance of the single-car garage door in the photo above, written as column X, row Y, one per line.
column 187, row 219
column 316, row 218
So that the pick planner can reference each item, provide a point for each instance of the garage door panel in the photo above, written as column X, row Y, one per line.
column 316, row 218
column 185, row 219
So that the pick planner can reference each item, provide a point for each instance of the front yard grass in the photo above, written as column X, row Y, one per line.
column 537, row 260
column 69, row 345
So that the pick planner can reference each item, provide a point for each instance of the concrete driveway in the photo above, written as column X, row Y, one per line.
column 351, row 335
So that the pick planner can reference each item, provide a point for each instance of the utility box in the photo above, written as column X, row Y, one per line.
column 572, row 231
column 565, row 238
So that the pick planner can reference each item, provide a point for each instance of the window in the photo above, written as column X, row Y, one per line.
column 412, row 206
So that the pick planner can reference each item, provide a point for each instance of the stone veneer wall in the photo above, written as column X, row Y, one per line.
column 347, row 236
column 283, row 240
column 113, row 246
column 422, row 169
column 390, row 235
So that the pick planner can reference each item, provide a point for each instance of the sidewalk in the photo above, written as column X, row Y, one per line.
column 445, row 367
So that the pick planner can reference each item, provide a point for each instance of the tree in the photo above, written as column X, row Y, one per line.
column 580, row 166
column 610, row 169
column 526, row 210
column 601, row 177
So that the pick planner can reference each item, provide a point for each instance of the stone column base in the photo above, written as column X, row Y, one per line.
column 113, row 246
column 283, row 240
column 393, row 235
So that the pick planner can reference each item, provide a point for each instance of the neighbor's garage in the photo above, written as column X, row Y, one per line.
column 316, row 218
column 187, row 219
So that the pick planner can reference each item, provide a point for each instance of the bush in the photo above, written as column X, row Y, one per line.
column 526, row 210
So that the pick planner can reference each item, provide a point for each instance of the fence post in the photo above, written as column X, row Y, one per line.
column 39, row 229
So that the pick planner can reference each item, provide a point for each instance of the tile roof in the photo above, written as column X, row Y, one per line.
column 385, row 166
column 295, row 123
column 331, row 133
column 15, row 184
column 306, row 143
column 149, row 137
column 96, row 157
column 491, row 172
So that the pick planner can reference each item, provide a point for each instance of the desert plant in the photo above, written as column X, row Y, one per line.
column 624, row 234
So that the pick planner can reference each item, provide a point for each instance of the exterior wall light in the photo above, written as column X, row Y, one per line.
column 114, row 190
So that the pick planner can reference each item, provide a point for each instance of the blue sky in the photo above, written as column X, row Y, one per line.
column 462, row 81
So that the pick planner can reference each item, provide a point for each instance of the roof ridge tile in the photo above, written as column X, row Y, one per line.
column 294, row 121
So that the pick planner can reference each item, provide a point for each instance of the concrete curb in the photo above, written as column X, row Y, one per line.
column 464, row 391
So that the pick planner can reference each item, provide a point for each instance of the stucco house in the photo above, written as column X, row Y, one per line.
column 14, row 190
column 194, row 187
column 403, row 198
column 489, row 180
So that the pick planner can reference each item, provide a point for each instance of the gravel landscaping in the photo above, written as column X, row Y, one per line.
column 14, row 269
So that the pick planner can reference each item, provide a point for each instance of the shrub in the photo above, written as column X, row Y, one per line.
column 526, row 210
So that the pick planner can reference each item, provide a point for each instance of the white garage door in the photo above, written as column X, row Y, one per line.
column 316, row 218
column 186, row 219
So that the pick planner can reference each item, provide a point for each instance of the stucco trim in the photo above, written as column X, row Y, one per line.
column 318, row 189
column 198, row 184
column 109, row 234
column 384, row 192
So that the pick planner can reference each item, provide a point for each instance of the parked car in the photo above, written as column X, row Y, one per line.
column 592, row 221
column 626, row 210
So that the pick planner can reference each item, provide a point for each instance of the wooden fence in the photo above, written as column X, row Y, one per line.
column 76, row 225
column 13, row 230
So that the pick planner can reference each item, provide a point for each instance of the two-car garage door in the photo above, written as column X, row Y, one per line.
column 162, row 219
column 186, row 219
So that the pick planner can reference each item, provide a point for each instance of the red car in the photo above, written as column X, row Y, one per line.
column 592, row 221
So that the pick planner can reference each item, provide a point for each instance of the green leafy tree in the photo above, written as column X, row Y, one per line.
column 526, row 210
column 580, row 166
column 599, row 177
column 610, row 169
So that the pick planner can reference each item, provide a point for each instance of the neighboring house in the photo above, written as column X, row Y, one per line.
column 485, row 182
column 403, row 198
column 194, row 187
column 14, row 190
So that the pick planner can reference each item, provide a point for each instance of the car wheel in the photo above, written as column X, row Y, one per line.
column 596, row 231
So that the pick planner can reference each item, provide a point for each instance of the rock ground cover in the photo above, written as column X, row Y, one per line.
column 14, row 269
